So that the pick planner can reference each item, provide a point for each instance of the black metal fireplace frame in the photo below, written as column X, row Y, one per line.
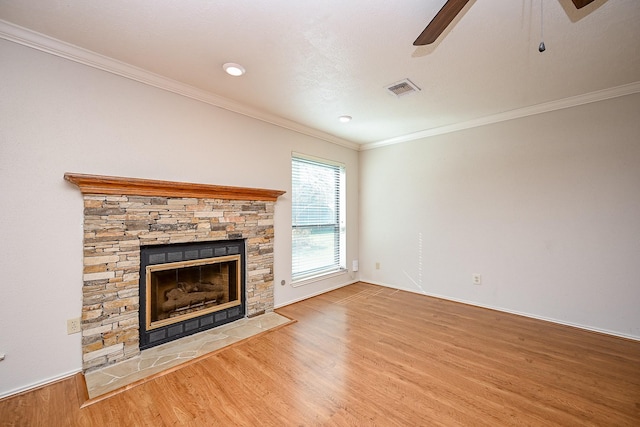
column 160, row 254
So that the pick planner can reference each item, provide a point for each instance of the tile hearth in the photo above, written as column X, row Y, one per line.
column 163, row 357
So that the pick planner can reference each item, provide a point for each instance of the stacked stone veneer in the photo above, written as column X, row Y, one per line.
column 114, row 229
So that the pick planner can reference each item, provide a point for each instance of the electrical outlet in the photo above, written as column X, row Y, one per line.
column 377, row 266
column 477, row 279
column 73, row 326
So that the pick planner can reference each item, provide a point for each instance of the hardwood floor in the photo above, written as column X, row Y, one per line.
column 367, row 355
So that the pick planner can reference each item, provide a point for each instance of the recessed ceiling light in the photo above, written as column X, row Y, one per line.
column 345, row 119
column 234, row 69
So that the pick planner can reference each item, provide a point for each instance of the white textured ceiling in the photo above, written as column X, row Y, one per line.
column 309, row 62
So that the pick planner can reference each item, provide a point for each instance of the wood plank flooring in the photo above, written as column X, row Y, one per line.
column 367, row 355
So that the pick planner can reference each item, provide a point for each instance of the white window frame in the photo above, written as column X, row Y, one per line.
column 299, row 275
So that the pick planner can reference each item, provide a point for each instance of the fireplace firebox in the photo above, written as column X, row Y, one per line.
column 189, row 287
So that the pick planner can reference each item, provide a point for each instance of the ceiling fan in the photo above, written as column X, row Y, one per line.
column 447, row 14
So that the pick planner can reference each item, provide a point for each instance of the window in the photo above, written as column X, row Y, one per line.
column 318, row 230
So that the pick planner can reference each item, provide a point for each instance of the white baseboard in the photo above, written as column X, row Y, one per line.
column 324, row 291
column 38, row 384
column 505, row 310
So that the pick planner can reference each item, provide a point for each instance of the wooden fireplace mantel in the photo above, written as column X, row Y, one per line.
column 113, row 185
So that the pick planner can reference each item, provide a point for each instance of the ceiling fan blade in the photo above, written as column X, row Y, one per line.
column 581, row 3
column 442, row 20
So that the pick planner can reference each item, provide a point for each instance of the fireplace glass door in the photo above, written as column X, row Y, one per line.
column 182, row 290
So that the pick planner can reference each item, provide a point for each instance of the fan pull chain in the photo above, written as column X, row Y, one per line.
column 541, row 47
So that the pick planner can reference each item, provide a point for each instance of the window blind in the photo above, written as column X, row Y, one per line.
column 317, row 234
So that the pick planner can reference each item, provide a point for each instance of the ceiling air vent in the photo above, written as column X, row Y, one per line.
column 403, row 87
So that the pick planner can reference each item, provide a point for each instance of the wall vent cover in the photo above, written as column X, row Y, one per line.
column 403, row 87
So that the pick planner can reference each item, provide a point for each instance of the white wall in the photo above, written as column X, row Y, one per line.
column 546, row 208
column 58, row 116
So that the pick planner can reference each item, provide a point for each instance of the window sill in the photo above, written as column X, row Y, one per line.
column 323, row 276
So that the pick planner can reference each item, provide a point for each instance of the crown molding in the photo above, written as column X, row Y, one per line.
column 546, row 107
column 38, row 41
column 44, row 43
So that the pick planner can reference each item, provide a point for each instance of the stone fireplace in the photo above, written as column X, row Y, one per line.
column 124, row 217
